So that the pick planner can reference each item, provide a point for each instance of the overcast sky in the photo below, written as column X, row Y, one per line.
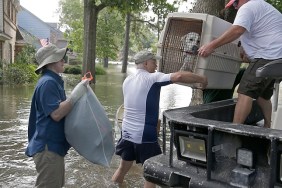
column 46, row 9
column 43, row 9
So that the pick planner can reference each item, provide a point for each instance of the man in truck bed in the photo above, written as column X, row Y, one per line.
column 259, row 26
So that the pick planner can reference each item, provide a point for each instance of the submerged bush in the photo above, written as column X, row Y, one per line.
column 26, row 56
column 77, row 69
column 75, row 61
column 20, row 73
column 99, row 70
column 22, row 70
column 73, row 69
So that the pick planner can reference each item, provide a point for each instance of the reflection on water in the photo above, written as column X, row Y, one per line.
column 173, row 96
column 17, row 170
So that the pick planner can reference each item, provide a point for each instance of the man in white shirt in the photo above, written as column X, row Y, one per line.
column 141, row 92
column 259, row 26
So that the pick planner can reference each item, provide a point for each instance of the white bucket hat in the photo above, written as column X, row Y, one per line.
column 48, row 54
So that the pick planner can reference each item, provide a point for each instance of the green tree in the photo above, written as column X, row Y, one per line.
column 142, row 36
column 161, row 10
column 92, row 8
column 213, row 8
column 109, row 34
column 71, row 18
column 134, row 15
column 109, row 30
column 276, row 3
column 26, row 55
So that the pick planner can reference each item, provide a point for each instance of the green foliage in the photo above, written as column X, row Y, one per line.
column 26, row 56
column 126, row 6
column 19, row 73
column 76, row 61
column 77, row 70
column 22, row 70
column 161, row 10
column 73, row 69
column 142, row 37
column 104, row 30
column 99, row 70
column 109, row 34
column 71, row 18
column 110, row 25
column 72, row 79
column 277, row 4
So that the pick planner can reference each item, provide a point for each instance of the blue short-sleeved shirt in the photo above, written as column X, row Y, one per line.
column 42, row 129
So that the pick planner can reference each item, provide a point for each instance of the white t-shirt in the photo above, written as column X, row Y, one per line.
column 263, row 24
column 141, row 105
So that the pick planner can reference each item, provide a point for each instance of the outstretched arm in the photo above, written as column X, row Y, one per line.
column 230, row 35
column 189, row 78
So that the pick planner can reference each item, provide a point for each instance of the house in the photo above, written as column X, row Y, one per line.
column 8, row 29
column 30, row 25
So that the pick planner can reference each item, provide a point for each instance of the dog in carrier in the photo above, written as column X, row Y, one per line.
column 190, row 44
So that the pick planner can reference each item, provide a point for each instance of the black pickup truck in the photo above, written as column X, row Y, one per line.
column 207, row 150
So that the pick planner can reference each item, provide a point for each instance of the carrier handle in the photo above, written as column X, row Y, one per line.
column 88, row 76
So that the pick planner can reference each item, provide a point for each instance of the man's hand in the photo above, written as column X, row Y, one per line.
column 206, row 50
column 79, row 90
column 204, row 83
column 244, row 56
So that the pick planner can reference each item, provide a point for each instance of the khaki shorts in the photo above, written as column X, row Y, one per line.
column 253, row 86
column 50, row 168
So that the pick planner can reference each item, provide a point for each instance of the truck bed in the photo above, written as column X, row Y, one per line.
column 210, row 128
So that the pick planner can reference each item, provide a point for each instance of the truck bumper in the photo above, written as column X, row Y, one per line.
column 181, row 174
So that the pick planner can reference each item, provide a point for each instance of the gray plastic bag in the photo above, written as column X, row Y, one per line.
column 89, row 131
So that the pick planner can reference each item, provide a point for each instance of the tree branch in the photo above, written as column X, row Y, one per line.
column 144, row 21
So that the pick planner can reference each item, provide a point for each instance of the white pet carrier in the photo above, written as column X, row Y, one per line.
column 220, row 67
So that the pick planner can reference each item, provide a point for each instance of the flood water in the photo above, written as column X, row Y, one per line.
column 17, row 170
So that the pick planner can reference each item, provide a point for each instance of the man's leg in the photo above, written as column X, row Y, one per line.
column 266, row 107
column 121, row 171
column 51, row 169
column 243, row 108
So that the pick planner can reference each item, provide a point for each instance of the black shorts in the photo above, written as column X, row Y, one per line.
column 253, row 86
column 130, row 151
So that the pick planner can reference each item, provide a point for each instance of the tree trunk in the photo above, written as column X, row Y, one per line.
column 90, row 24
column 106, row 62
column 126, row 44
column 209, row 7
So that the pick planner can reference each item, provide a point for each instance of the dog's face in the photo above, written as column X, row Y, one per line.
column 191, row 43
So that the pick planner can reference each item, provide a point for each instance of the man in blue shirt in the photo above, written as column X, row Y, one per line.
column 47, row 143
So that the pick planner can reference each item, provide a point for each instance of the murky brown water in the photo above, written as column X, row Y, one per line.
column 17, row 170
